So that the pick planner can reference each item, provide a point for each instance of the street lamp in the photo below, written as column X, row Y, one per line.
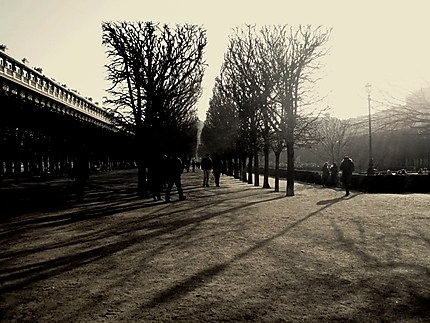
column 370, row 169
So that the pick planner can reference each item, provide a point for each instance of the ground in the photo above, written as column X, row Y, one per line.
column 235, row 253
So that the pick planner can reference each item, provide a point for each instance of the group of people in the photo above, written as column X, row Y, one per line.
column 173, row 168
column 163, row 174
column 330, row 174
column 208, row 165
column 191, row 163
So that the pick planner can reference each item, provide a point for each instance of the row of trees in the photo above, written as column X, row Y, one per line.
column 263, row 101
column 263, row 98
column 156, row 74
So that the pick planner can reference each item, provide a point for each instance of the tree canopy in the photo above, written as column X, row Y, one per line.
column 268, row 77
column 156, row 74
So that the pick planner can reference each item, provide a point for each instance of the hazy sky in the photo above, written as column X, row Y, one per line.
column 385, row 43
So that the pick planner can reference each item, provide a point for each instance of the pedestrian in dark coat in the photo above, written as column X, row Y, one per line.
column 325, row 174
column 206, row 166
column 217, row 169
column 174, row 168
column 347, row 167
column 193, row 165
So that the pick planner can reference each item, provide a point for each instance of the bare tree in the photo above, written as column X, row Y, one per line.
column 247, row 71
column 156, row 75
column 295, row 57
column 334, row 138
column 236, row 74
column 413, row 112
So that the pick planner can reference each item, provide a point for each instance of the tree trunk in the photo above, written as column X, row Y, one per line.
column 266, row 166
column 236, row 168
column 290, row 168
column 256, row 169
column 140, row 159
column 277, row 157
column 250, row 169
column 243, row 170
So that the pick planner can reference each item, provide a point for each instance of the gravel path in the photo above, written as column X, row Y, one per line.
column 226, row 254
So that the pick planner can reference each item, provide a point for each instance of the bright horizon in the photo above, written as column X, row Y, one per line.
column 381, row 43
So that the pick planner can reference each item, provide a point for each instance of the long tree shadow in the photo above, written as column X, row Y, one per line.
column 337, row 199
column 142, row 222
column 389, row 278
column 415, row 307
column 51, row 197
column 97, row 207
column 16, row 277
column 207, row 274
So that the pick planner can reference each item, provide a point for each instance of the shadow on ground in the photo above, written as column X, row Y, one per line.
column 196, row 261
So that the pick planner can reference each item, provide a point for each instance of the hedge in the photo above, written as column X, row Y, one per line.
column 409, row 183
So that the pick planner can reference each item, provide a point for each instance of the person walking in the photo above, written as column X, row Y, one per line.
column 347, row 167
column 217, row 169
column 334, row 174
column 206, row 166
column 193, row 165
column 325, row 174
column 174, row 168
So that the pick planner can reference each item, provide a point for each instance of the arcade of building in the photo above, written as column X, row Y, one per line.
column 44, row 125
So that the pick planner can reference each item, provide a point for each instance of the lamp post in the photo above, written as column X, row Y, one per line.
column 370, row 169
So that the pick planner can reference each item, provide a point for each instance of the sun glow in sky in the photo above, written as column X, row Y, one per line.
column 384, row 43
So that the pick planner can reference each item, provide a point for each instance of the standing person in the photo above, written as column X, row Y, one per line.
column 334, row 174
column 217, row 169
column 325, row 174
column 347, row 167
column 193, row 165
column 206, row 166
column 174, row 168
